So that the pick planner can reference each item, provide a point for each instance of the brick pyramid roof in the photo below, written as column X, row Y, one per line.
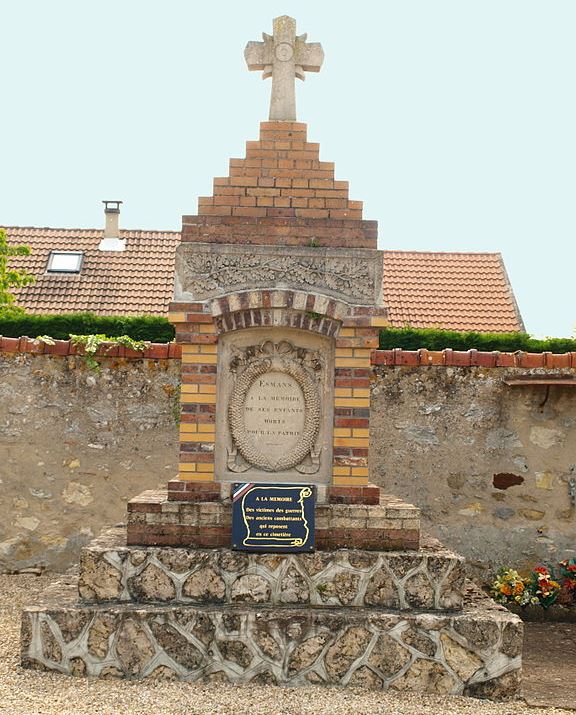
column 139, row 280
column 281, row 193
column 456, row 291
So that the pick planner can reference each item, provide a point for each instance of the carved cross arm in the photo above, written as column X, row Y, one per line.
column 308, row 56
column 260, row 55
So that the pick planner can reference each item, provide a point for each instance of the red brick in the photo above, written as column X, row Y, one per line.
column 156, row 351
column 459, row 358
column 213, row 496
column 351, row 422
column 243, row 181
column 353, row 495
column 530, row 359
column 482, row 359
column 198, row 318
column 177, row 307
column 147, row 507
column 174, row 351
column 248, row 211
column 215, row 210
column 336, row 203
column 382, row 357
column 311, row 213
column 562, row 360
column 259, row 191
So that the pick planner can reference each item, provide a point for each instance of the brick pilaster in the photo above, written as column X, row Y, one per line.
column 196, row 332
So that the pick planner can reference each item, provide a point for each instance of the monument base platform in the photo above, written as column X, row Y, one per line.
column 430, row 578
column 156, row 519
column 476, row 651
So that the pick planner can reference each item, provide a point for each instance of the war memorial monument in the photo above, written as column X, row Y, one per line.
column 271, row 558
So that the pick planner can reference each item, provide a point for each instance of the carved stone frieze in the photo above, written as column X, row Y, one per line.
column 206, row 270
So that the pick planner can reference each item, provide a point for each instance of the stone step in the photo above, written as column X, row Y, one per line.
column 431, row 578
column 156, row 520
column 476, row 652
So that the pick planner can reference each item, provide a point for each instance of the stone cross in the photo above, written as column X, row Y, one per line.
column 284, row 56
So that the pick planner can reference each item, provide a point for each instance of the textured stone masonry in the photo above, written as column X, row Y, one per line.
column 476, row 652
column 115, row 430
column 432, row 578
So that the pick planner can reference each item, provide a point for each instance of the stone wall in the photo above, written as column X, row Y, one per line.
column 75, row 445
column 488, row 464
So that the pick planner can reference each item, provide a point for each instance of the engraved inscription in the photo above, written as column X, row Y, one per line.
column 274, row 412
column 272, row 518
column 274, row 409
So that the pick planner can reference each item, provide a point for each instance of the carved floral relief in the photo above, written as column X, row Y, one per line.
column 206, row 274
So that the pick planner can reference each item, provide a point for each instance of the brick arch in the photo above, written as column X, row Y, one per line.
column 287, row 308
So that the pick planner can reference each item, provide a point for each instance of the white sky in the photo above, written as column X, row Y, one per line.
column 453, row 120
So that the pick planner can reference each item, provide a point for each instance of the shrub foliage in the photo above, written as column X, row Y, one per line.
column 433, row 339
column 11, row 278
column 153, row 328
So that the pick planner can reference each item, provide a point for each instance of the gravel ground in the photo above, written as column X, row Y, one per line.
column 24, row 692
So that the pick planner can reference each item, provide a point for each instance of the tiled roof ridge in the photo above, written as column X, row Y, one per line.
column 442, row 253
column 390, row 358
column 511, row 295
column 87, row 230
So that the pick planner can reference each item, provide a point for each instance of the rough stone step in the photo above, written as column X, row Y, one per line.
column 476, row 652
column 431, row 578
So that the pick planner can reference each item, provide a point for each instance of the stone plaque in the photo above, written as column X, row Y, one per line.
column 273, row 518
column 274, row 408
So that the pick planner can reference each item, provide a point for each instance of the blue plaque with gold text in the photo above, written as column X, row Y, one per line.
column 273, row 517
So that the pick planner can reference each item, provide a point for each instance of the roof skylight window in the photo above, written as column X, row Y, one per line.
column 65, row 262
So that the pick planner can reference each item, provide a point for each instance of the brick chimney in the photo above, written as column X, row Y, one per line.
column 112, row 240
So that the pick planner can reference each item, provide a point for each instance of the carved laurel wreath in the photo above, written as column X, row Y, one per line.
column 307, row 382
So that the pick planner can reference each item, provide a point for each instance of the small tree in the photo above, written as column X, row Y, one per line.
column 11, row 277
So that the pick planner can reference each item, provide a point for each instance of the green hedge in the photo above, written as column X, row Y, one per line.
column 158, row 330
column 142, row 327
column 432, row 339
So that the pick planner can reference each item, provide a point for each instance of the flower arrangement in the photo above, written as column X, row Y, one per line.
column 539, row 588
column 510, row 587
column 545, row 588
column 567, row 572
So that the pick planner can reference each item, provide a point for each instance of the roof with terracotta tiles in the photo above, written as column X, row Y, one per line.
column 459, row 291
column 456, row 291
column 139, row 280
